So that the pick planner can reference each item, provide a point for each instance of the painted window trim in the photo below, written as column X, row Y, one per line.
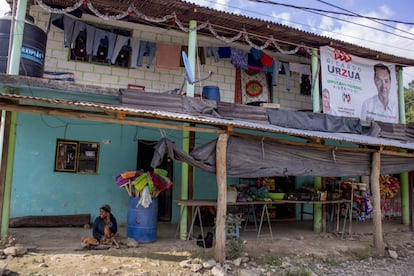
column 77, row 156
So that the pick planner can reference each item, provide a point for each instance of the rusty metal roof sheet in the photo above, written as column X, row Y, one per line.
column 205, row 120
column 226, row 24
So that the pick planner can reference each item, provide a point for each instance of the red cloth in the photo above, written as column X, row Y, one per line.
column 266, row 60
column 168, row 56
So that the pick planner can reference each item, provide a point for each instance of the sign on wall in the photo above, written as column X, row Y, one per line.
column 358, row 87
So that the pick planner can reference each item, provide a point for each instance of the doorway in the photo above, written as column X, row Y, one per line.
column 144, row 157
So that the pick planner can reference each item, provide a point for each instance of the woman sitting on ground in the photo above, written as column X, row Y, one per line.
column 105, row 225
column 103, row 230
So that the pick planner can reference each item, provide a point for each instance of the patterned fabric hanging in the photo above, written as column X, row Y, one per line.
column 255, row 87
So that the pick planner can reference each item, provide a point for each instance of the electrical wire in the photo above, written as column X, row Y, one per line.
column 326, row 30
column 376, row 20
column 262, row 15
column 349, row 13
column 324, row 13
column 365, row 26
column 333, row 34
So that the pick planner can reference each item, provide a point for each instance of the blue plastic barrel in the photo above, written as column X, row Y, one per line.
column 211, row 93
column 142, row 222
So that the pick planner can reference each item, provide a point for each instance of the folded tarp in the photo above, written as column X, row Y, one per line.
column 314, row 121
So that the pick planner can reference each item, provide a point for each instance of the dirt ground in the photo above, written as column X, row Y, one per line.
column 58, row 251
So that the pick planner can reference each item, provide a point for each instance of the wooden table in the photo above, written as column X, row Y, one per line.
column 337, row 202
column 264, row 214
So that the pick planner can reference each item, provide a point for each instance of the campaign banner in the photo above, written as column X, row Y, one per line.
column 358, row 87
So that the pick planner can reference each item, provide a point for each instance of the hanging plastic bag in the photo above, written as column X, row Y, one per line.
column 368, row 205
column 145, row 200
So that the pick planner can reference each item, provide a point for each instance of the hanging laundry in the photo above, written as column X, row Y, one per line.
column 78, row 27
column 301, row 69
column 68, row 24
column 269, row 69
column 212, row 52
column 121, row 41
column 100, row 48
column 267, row 62
column 56, row 20
column 305, row 85
column 253, row 63
column 277, row 65
column 146, row 48
column 134, row 51
column 224, row 52
column 257, row 53
column 168, row 56
column 90, row 36
column 239, row 58
column 105, row 41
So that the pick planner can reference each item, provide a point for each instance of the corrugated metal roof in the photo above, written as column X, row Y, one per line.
column 207, row 120
column 226, row 24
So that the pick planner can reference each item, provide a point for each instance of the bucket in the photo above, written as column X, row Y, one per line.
column 211, row 93
column 142, row 222
column 33, row 48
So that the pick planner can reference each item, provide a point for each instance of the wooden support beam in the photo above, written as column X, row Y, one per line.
column 221, row 175
column 51, row 221
column 120, row 115
column 410, row 195
column 376, row 198
column 83, row 115
column 323, row 146
column 4, row 157
column 192, row 141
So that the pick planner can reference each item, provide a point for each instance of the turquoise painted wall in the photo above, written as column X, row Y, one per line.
column 38, row 190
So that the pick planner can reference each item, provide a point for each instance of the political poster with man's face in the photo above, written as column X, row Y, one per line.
column 351, row 81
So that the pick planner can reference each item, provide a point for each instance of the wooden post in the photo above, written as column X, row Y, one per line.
column 6, row 122
column 317, row 208
column 376, row 198
column 221, row 176
column 410, row 191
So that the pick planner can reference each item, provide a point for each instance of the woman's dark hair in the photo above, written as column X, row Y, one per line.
column 106, row 208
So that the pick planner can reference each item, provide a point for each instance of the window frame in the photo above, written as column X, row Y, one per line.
column 77, row 156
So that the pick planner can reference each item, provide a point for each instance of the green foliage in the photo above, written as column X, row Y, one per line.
column 362, row 254
column 302, row 271
column 233, row 222
column 10, row 90
column 271, row 259
column 234, row 249
column 332, row 261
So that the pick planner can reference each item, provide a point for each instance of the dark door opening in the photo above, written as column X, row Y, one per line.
column 144, row 157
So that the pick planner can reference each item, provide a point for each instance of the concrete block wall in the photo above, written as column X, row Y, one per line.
column 155, row 80
column 291, row 99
